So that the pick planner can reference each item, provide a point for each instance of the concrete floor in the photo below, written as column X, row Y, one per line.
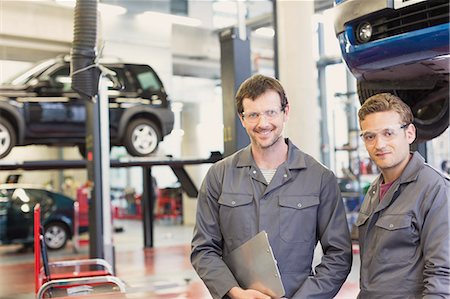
column 165, row 268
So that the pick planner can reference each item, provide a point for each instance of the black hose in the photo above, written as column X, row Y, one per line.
column 85, row 75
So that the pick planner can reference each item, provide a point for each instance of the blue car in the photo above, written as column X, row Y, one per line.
column 402, row 47
column 17, row 203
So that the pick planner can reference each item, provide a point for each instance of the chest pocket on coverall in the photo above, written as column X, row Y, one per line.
column 398, row 236
column 298, row 218
column 235, row 214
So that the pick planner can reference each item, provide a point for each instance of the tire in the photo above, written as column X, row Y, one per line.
column 430, row 108
column 7, row 138
column 56, row 235
column 364, row 92
column 431, row 115
column 142, row 137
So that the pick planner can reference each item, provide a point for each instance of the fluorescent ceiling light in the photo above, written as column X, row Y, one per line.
column 174, row 19
column 265, row 32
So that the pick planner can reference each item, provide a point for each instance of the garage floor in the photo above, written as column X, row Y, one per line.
column 161, row 272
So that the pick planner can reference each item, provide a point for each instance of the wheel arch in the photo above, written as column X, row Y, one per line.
column 135, row 113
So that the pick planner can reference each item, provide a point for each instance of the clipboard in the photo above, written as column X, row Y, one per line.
column 254, row 266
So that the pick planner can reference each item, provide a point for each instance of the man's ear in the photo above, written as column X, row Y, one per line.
column 411, row 133
column 286, row 111
column 242, row 119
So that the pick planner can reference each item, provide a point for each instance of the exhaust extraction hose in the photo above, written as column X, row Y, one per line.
column 85, row 74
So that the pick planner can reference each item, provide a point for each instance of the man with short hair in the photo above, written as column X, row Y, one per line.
column 404, row 230
column 271, row 185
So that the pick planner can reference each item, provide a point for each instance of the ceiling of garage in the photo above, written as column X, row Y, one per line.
column 25, row 47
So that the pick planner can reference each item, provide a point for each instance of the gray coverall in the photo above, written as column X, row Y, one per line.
column 301, row 206
column 405, row 239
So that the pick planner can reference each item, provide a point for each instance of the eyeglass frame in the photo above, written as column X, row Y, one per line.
column 259, row 114
column 361, row 135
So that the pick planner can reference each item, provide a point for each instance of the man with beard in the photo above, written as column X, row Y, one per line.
column 271, row 185
column 404, row 230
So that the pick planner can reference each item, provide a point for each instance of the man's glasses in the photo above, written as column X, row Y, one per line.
column 386, row 134
column 253, row 117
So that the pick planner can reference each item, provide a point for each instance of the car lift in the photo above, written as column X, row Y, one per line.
column 148, row 196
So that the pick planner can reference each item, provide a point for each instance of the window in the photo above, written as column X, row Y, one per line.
column 148, row 81
column 121, row 80
column 147, row 78
column 26, row 199
column 61, row 79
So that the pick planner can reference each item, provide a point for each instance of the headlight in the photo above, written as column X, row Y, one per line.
column 364, row 32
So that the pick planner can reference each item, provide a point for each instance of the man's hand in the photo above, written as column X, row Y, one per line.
column 238, row 293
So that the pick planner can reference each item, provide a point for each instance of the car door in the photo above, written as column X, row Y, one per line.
column 56, row 111
column 121, row 95
column 19, row 215
column 20, row 212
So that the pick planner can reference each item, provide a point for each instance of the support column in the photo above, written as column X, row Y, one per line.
column 235, row 68
column 98, row 166
column 297, row 72
column 148, row 203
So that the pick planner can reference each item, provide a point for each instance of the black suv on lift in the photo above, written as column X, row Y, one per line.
column 40, row 107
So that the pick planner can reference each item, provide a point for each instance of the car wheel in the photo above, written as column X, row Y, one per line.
column 142, row 137
column 431, row 114
column 430, row 108
column 7, row 137
column 55, row 235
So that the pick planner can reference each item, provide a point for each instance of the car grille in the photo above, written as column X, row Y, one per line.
column 410, row 18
